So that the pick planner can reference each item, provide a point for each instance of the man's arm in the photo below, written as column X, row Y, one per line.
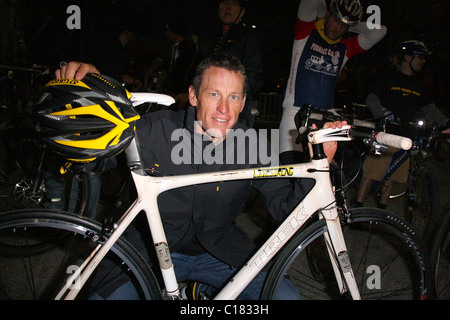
column 310, row 10
column 433, row 114
column 368, row 37
column 375, row 106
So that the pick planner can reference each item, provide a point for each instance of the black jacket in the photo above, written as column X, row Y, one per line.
column 404, row 95
column 206, row 212
column 179, row 79
column 199, row 218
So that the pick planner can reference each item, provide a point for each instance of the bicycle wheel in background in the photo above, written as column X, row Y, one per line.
column 21, row 159
column 440, row 259
column 40, row 276
column 387, row 257
column 25, row 163
column 424, row 199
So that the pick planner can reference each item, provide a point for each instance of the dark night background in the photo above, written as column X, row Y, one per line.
column 41, row 24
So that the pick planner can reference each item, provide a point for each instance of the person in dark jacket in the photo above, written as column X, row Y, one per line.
column 181, row 60
column 399, row 92
column 236, row 38
column 206, row 245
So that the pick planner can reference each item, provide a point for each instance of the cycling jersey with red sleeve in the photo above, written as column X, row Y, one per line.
column 316, row 64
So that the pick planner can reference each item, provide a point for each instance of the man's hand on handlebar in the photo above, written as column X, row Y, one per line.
column 329, row 148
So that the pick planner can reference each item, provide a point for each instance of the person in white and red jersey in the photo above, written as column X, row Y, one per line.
column 319, row 54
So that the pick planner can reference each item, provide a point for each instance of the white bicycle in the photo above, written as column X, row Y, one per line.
column 327, row 252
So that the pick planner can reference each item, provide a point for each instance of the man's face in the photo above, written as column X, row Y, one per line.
column 219, row 101
column 334, row 27
column 417, row 62
column 230, row 12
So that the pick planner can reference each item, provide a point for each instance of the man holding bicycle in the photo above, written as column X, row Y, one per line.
column 401, row 94
column 199, row 220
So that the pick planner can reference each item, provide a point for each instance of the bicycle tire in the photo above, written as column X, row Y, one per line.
column 79, row 207
column 424, row 200
column 398, row 253
column 41, row 276
column 440, row 259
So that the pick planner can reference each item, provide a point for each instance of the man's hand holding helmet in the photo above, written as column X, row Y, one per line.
column 75, row 70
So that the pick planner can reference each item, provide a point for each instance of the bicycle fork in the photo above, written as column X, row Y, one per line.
column 337, row 251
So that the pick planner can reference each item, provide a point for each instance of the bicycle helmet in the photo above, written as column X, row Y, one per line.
column 86, row 120
column 243, row 3
column 348, row 11
column 413, row 48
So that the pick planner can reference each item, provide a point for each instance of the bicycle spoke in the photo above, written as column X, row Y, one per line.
column 26, row 263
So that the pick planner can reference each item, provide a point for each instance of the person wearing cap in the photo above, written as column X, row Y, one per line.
column 319, row 54
column 236, row 38
column 398, row 93
column 112, row 55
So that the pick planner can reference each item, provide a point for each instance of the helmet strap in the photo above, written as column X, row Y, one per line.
column 410, row 65
column 414, row 72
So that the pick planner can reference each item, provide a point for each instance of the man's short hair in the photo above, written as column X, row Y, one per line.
column 220, row 60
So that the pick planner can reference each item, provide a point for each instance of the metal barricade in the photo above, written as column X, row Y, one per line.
column 270, row 107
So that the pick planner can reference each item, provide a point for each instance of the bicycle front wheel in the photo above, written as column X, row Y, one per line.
column 28, row 274
column 386, row 255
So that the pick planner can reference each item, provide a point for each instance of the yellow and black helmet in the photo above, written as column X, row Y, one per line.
column 86, row 120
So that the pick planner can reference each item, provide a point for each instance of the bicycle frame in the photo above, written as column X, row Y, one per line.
column 149, row 187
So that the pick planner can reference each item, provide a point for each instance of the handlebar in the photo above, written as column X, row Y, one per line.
column 309, row 115
column 347, row 133
column 356, row 129
column 138, row 98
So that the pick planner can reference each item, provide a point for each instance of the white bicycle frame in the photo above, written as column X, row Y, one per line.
column 320, row 198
